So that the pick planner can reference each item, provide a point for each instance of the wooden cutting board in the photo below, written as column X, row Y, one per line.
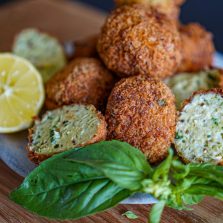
column 71, row 21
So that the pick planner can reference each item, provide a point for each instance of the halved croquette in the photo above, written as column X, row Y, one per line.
column 65, row 128
column 183, row 85
column 199, row 131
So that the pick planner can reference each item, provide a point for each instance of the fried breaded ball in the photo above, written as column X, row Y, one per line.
column 138, row 40
column 197, row 48
column 141, row 111
column 171, row 8
column 83, row 81
column 200, row 128
column 179, row 2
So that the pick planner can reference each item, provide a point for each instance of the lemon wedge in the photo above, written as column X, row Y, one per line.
column 21, row 93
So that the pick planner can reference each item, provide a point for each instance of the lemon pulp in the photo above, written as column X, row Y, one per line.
column 21, row 93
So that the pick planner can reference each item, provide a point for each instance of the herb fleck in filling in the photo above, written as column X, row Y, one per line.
column 178, row 136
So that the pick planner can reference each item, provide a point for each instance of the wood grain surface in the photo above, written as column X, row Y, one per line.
column 71, row 21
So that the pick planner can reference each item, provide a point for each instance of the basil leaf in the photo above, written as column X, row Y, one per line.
column 88, row 180
column 180, row 171
column 162, row 170
column 208, row 190
column 186, row 183
column 175, row 201
column 124, row 176
column 119, row 161
column 208, row 171
column 130, row 215
column 156, row 212
column 62, row 189
column 190, row 199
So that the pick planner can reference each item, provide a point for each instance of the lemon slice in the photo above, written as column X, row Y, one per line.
column 21, row 93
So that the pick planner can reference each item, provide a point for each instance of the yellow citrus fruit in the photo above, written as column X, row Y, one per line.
column 21, row 93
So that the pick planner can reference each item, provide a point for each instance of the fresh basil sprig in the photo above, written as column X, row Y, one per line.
column 84, row 181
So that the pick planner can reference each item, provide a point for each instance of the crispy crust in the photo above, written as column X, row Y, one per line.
column 99, row 136
column 139, row 40
column 213, row 90
column 186, row 102
column 171, row 9
column 179, row 2
column 50, row 104
column 84, row 80
column 220, row 84
column 134, row 115
column 197, row 48
column 121, row 2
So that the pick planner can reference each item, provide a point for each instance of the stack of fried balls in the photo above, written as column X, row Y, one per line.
column 123, row 71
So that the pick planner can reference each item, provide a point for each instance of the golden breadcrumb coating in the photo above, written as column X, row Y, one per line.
column 141, row 111
column 171, row 8
column 197, row 48
column 83, row 81
column 138, row 40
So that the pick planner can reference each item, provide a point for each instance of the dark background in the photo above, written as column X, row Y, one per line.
column 209, row 13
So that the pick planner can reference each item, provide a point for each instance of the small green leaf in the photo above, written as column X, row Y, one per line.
column 175, row 201
column 130, row 215
column 208, row 171
column 180, row 171
column 183, row 185
column 189, row 199
column 156, row 212
column 206, row 190
column 162, row 170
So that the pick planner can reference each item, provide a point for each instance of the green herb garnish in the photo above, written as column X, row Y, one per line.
column 130, row 215
column 85, row 181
